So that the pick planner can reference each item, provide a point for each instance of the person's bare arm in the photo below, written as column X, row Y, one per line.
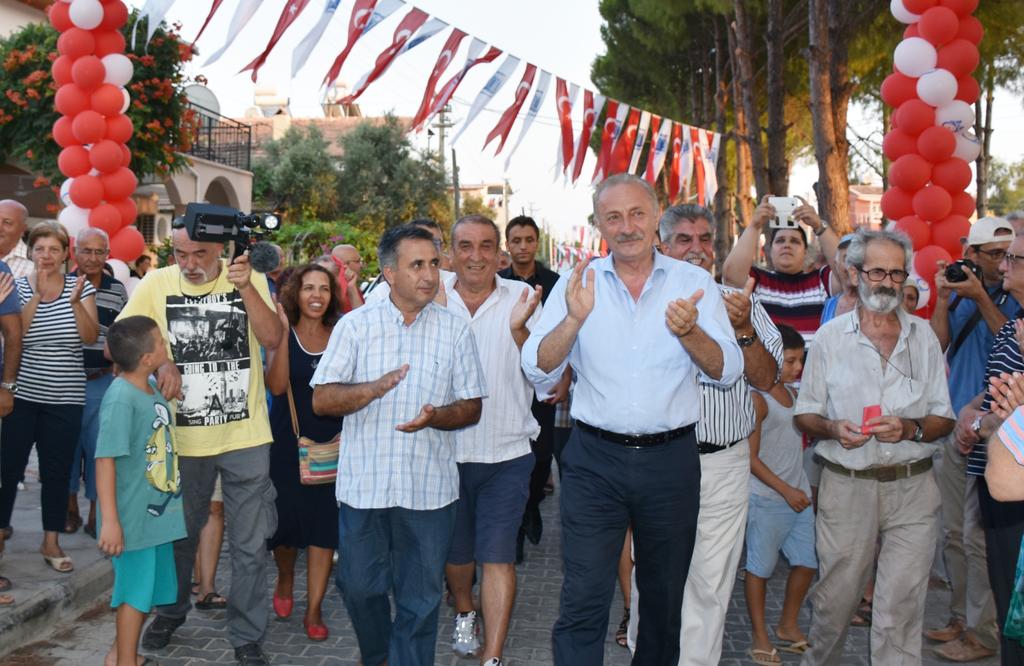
column 796, row 498
column 111, row 537
column 846, row 433
column 458, row 414
column 345, row 399
column 736, row 268
column 277, row 360
column 86, row 318
column 759, row 366
column 10, row 326
column 1004, row 476
column 263, row 319
column 940, row 316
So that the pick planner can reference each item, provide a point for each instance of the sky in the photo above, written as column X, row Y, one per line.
column 562, row 37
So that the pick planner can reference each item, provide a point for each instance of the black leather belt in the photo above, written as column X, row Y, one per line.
column 708, row 447
column 882, row 474
column 652, row 439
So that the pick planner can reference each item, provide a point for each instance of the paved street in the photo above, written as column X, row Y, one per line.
column 202, row 640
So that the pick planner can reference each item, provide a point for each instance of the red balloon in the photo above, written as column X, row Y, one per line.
column 939, row 25
column 948, row 233
column 107, row 100
column 73, row 161
column 897, row 88
column 914, row 116
column 932, row 203
column 910, row 172
column 898, row 143
column 110, row 41
column 115, row 15
column 60, row 17
column 916, row 229
column 105, row 156
column 936, row 144
column 86, row 191
column 926, row 261
column 87, row 72
column 119, row 185
column 75, row 43
column 119, row 128
column 967, row 89
column 919, row 6
column 960, row 57
column 128, row 245
column 88, row 127
column 105, row 217
column 963, row 204
column 911, row 31
column 126, row 156
column 897, row 203
column 62, row 133
column 70, row 100
column 953, row 175
column 128, row 211
column 961, row 7
column 971, row 29
column 61, row 69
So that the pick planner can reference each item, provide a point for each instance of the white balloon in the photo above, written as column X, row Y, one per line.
column 73, row 219
column 86, row 14
column 937, row 87
column 958, row 116
column 121, row 271
column 65, row 192
column 968, row 147
column 132, row 282
column 915, row 57
column 902, row 14
column 127, row 100
column 119, row 69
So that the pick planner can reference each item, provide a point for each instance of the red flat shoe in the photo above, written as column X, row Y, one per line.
column 315, row 632
column 283, row 606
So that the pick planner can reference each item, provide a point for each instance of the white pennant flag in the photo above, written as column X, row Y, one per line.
column 154, row 11
column 305, row 47
column 710, row 154
column 441, row 98
column 560, row 166
column 539, row 93
column 638, row 145
column 661, row 144
column 487, row 93
column 686, row 163
column 244, row 12
column 426, row 31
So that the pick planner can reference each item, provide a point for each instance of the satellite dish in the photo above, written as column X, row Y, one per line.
column 203, row 97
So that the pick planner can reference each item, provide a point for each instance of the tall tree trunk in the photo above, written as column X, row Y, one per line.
column 746, row 67
column 744, row 173
column 724, row 216
column 840, row 34
column 886, row 116
column 832, row 183
column 778, row 164
column 983, row 129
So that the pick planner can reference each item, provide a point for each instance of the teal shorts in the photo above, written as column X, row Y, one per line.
column 145, row 578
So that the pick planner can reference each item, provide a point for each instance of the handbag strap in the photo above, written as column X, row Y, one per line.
column 291, row 408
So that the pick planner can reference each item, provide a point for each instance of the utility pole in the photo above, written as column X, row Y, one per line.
column 441, row 125
column 455, row 183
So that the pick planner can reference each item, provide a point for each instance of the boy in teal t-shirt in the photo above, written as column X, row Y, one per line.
column 137, row 482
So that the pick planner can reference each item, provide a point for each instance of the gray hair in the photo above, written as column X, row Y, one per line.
column 856, row 253
column 674, row 214
column 624, row 179
column 387, row 249
column 92, row 232
column 477, row 219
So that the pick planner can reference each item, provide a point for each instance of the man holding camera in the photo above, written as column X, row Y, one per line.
column 215, row 315
column 970, row 308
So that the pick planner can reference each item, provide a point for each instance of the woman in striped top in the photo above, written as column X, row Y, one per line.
column 58, row 316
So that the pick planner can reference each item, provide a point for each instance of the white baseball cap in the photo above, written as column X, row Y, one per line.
column 990, row 230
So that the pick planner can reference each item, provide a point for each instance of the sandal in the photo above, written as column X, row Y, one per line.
column 795, row 647
column 72, row 523
column 764, row 656
column 862, row 616
column 60, row 564
column 211, row 601
column 623, row 630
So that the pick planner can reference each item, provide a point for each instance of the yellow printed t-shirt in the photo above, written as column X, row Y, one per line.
column 213, row 345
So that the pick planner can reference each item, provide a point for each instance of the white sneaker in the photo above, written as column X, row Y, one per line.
column 465, row 641
column 493, row 661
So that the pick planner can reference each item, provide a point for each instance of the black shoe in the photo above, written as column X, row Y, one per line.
column 519, row 546
column 251, row 654
column 158, row 633
column 533, row 525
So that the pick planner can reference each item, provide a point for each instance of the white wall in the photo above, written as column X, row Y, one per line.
column 13, row 15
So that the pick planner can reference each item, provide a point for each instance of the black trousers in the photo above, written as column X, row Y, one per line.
column 543, row 449
column 605, row 487
column 1003, row 523
column 54, row 430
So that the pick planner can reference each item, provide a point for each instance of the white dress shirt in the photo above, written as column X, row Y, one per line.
column 633, row 376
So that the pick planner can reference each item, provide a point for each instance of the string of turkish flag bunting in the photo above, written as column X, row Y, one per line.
column 684, row 155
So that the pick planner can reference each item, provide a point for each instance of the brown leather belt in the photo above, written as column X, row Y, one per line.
column 882, row 474
column 99, row 373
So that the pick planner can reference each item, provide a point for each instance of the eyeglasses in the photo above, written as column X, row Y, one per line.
column 995, row 255
column 878, row 274
column 92, row 253
column 1012, row 259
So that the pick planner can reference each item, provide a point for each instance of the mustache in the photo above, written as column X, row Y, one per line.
column 622, row 238
column 885, row 291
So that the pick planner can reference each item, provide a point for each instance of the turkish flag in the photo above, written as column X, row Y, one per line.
column 443, row 60
column 676, row 163
column 589, row 120
column 403, row 33
column 623, row 150
column 361, row 13
column 508, row 118
column 655, row 124
column 698, row 161
column 288, row 15
column 608, row 133
column 213, row 10
column 564, row 106
column 449, row 88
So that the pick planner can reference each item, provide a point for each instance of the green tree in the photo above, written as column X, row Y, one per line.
column 1005, row 187
column 474, row 205
column 297, row 176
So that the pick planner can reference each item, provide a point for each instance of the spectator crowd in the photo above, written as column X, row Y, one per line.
column 401, row 432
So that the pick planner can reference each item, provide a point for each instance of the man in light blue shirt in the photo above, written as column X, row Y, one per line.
column 640, row 330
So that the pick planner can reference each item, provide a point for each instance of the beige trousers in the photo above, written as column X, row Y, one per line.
column 852, row 515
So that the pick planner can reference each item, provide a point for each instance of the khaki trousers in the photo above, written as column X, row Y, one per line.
column 852, row 515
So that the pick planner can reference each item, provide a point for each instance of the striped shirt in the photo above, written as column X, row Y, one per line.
column 110, row 300
column 796, row 300
column 1004, row 357
column 380, row 467
column 727, row 414
column 1011, row 434
column 52, row 370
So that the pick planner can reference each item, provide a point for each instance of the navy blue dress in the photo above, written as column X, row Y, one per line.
column 306, row 515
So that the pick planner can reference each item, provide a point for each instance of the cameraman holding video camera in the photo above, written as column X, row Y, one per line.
column 215, row 314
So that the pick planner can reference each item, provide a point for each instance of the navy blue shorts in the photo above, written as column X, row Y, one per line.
column 492, row 498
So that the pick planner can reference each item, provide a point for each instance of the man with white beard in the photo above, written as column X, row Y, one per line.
column 874, row 394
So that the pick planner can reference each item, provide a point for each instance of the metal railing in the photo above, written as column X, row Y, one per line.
column 220, row 139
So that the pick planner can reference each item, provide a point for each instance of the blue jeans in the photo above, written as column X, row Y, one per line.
column 95, row 389
column 403, row 549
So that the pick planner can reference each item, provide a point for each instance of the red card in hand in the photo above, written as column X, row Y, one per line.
column 870, row 412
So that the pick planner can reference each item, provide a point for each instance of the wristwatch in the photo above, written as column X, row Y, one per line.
column 822, row 229
column 746, row 340
column 976, row 425
column 10, row 386
column 918, row 431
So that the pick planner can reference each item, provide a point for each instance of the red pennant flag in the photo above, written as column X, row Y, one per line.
column 589, row 118
column 676, row 164
column 653, row 133
column 443, row 60
column 403, row 33
column 698, row 161
column 290, row 12
column 361, row 13
column 623, row 150
column 504, row 125
column 213, row 10
column 564, row 107
column 607, row 139
column 453, row 83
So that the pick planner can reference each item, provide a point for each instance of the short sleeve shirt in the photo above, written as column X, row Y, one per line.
column 1004, row 357
column 110, row 300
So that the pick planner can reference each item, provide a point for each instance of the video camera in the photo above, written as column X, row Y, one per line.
column 206, row 223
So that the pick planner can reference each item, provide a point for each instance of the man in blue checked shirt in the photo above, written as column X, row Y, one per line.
column 405, row 373
column 639, row 329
